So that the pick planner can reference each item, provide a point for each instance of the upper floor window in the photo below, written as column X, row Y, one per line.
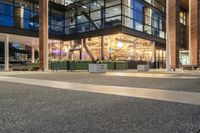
column 182, row 17
column 160, row 4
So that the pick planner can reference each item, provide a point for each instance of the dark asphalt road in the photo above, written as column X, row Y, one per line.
column 33, row 109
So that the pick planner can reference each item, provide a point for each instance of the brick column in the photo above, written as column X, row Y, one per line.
column 199, row 30
column 172, row 46
column 194, row 31
column 43, row 34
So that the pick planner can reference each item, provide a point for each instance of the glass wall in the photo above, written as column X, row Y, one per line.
column 119, row 47
column 6, row 14
column 134, row 14
column 159, row 4
column 19, row 54
column 56, row 22
column 138, row 16
column 99, row 14
column 85, row 16
column 65, row 50
column 24, row 15
column 116, row 47
column 93, row 15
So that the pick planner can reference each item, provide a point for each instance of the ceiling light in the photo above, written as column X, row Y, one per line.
column 120, row 44
column 96, row 4
column 84, row 7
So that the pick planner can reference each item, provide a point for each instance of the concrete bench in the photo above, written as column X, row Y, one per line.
column 97, row 68
column 20, row 68
column 143, row 68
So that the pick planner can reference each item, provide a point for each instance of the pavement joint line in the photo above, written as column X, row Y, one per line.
column 120, row 74
column 146, row 75
column 192, row 98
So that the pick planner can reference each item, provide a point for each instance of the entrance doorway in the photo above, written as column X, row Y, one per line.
column 184, row 57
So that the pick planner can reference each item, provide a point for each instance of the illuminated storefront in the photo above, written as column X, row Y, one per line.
column 121, row 47
column 116, row 47
column 64, row 50
column 124, row 30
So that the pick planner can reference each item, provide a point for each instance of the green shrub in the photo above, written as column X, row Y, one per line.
column 83, row 65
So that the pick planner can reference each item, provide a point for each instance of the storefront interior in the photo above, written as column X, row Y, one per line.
column 116, row 47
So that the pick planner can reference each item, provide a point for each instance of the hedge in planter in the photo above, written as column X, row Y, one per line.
column 82, row 65
column 59, row 65
column 111, row 65
column 121, row 66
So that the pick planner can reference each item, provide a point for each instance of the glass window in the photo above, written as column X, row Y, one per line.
column 129, row 3
column 160, row 4
column 6, row 14
column 95, row 15
column 182, row 17
column 127, row 11
column 139, row 6
column 84, row 8
column 114, row 21
column 96, row 5
column 69, row 21
column 138, row 16
column 112, row 2
column 95, row 24
column 6, row 9
column 81, row 19
column 113, row 11
column 128, row 22
column 138, row 26
column 83, row 27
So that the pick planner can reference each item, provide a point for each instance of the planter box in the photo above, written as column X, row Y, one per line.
column 143, row 68
column 97, row 68
column 82, row 65
column 58, row 65
column 110, row 65
column 121, row 66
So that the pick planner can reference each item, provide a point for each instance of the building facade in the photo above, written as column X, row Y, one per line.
column 183, row 32
column 162, row 33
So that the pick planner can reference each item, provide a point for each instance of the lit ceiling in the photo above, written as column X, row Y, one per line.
column 67, row 2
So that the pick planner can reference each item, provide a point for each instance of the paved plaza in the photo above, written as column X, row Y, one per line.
column 115, row 102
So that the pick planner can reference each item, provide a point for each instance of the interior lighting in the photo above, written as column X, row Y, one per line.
column 96, row 4
column 120, row 44
column 84, row 7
